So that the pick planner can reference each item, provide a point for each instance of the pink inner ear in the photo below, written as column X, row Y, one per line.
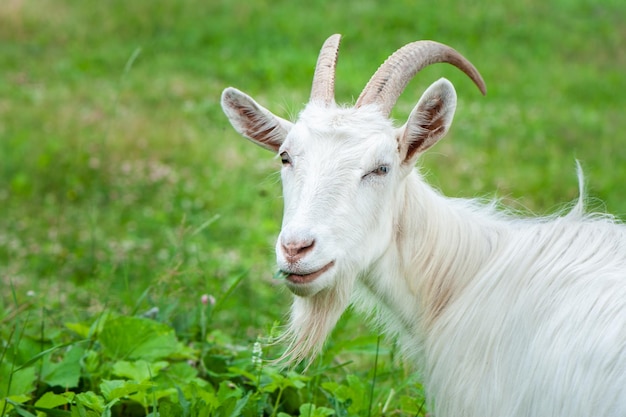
column 430, row 126
column 259, row 127
column 433, row 116
column 254, row 123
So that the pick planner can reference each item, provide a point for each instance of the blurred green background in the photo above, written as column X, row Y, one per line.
column 122, row 185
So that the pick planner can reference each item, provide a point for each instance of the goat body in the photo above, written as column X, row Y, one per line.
column 505, row 316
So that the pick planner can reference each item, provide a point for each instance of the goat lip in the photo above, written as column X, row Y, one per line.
column 306, row 278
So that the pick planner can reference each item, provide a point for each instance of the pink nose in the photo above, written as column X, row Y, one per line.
column 296, row 250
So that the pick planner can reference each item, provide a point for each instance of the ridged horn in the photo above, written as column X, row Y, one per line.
column 323, row 89
column 386, row 85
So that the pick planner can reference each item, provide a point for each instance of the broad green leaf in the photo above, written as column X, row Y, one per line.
column 97, row 326
column 138, row 370
column 279, row 381
column 81, row 411
column 118, row 388
column 298, row 381
column 228, row 390
column 181, row 374
column 239, row 405
column 354, row 396
column 52, row 400
column 91, row 400
column 253, row 377
column 79, row 328
column 41, row 354
column 199, row 391
column 20, row 382
column 9, row 401
column 137, row 338
column 310, row 410
column 65, row 373
column 19, row 398
column 170, row 409
column 147, row 399
column 91, row 361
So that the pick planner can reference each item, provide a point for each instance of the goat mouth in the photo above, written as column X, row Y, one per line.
column 306, row 278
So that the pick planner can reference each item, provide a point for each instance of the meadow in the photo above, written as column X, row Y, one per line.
column 137, row 228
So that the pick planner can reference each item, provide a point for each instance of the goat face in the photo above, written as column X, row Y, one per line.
column 340, row 168
column 343, row 168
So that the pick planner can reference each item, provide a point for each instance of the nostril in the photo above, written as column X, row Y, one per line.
column 306, row 246
column 297, row 249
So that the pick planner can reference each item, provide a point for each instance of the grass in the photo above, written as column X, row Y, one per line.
column 123, row 188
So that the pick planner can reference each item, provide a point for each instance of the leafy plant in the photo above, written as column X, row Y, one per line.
column 136, row 366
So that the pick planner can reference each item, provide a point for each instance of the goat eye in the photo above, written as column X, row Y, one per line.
column 381, row 170
column 285, row 158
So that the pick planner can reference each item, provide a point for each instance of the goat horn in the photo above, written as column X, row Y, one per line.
column 386, row 85
column 324, row 79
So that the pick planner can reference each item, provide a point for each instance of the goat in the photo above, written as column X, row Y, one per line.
column 505, row 316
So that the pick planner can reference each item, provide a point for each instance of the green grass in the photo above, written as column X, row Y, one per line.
column 123, row 188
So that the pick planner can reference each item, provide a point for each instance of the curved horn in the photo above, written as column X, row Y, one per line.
column 324, row 79
column 394, row 74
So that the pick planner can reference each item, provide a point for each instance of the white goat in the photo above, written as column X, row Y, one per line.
column 505, row 316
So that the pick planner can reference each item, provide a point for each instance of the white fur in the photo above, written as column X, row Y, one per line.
column 505, row 316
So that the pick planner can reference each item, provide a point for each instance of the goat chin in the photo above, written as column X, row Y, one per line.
column 310, row 284
column 312, row 319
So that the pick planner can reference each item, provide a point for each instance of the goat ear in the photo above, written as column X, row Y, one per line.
column 429, row 121
column 253, row 121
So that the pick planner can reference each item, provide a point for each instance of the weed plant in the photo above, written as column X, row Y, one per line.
column 136, row 228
